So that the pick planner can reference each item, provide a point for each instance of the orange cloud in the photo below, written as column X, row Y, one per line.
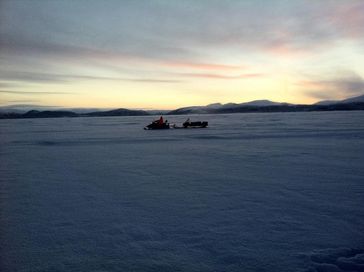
column 284, row 50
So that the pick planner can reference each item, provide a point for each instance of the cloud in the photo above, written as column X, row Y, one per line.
column 336, row 88
column 24, row 101
column 13, row 45
column 37, row 77
column 163, row 42
column 175, row 31
column 151, row 80
column 349, row 19
column 32, row 77
column 87, row 77
column 155, row 56
column 221, row 76
column 5, row 85
column 202, row 66
column 33, row 92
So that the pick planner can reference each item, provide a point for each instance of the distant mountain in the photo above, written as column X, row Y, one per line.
column 327, row 102
column 157, row 112
column 48, row 114
column 356, row 99
column 65, row 113
column 354, row 103
column 23, row 108
column 261, row 103
column 189, row 110
column 214, row 106
column 118, row 112
column 86, row 110
column 229, row 107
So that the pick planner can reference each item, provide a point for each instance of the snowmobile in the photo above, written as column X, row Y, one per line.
column 161, row 124
column 158, row 124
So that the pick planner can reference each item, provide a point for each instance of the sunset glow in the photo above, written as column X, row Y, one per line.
column 170, row 54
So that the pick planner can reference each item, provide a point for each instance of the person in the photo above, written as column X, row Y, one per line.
column 160, row 121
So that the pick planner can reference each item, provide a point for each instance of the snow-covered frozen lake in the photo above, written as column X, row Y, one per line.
column 253, row 192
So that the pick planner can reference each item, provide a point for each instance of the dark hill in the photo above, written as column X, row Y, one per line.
column 272, row 108
column 354, row 103
column 118, row 112
column 56, row 114
column 48, row 114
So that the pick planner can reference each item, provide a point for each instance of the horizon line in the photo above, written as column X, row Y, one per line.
column 158, row 109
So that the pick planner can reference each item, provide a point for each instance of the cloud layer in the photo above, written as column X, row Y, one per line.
column 340, row 87
column 157, row 42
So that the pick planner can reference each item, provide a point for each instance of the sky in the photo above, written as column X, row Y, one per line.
column 156, row 54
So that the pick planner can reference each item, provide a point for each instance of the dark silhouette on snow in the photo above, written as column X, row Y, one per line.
column 158, row 124
column 198, row 124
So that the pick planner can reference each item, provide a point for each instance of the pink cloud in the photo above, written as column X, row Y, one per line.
column 349, row 19
column 285, row 50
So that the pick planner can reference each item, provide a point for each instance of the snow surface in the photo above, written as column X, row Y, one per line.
column 253, row 192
